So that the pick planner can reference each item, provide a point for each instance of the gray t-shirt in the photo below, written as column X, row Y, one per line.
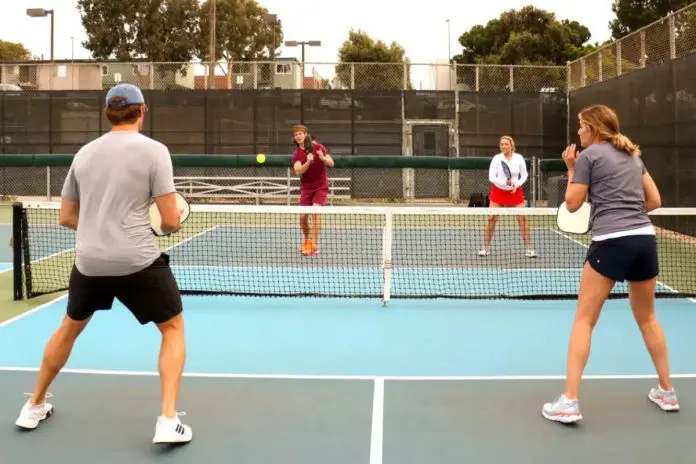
column 113, row 178
column 615, row 180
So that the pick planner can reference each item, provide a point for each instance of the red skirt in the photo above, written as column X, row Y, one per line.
column 506, row 197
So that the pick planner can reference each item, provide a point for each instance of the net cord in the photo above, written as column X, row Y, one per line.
column 376, row 210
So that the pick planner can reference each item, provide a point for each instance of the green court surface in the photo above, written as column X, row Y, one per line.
column 8, row 307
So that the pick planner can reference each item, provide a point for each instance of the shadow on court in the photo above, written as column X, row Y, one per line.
column 110, row 419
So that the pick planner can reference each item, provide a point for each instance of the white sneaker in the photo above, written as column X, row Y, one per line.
column 530, row 253
column 484, row 252
column 562, row 410
column 171, row 430
column 666, row 400
column 31, row 415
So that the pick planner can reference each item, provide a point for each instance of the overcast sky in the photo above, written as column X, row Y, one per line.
column 422, row 29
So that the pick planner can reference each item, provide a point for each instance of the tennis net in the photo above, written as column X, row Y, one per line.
column 363, row 252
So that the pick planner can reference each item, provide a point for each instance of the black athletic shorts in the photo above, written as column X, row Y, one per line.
column 152, row 295
column 632, row 258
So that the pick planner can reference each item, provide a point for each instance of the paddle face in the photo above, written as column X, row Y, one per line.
column 156, row 218
column 577, row 222
column 308, row 144
column 506, row 170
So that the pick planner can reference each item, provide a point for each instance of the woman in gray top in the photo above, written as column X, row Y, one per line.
column 623, row 248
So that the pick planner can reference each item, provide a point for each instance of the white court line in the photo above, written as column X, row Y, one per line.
column 52, row 255
column 43, row 306
column 372, row 378
column 377, row 432
column 45, row 257
column 378, row 266
column 191, row 238
column 8, row 269
column 32, row 311
column 693, row 300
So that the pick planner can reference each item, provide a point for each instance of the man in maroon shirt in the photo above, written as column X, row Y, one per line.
column 309, row 161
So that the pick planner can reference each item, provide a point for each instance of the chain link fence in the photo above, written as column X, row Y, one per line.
column 671, row 37
column 355, row 122
column 349, row 122
column 283, row 74
column 279, row 185
column 667, row 39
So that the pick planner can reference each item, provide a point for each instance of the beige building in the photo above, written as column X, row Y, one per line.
column 95, row 75
column 284, row 73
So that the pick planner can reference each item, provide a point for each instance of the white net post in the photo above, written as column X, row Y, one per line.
column 387, row 256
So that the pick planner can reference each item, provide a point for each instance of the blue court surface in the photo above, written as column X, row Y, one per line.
column 347, row 381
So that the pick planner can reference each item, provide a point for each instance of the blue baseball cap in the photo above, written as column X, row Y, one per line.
column 130, row 94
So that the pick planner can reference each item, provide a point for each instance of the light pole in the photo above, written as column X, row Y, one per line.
column 212, row 25
column 449, row 40
column 450, row 66
column 273, row 20
column 41, row 13
column 295, row 43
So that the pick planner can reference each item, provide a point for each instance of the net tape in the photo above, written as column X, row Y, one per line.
column 366, row 252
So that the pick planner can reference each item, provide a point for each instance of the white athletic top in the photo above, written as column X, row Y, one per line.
column 517, row 166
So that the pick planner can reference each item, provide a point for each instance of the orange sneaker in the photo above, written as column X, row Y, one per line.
column 306, row 247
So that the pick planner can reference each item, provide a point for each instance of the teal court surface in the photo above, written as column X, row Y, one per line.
column 302, row 378
column 297, row 380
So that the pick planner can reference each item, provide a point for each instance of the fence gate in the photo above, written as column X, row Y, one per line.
column 437, row 137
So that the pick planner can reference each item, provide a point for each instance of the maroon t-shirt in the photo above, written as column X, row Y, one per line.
column 315, row 177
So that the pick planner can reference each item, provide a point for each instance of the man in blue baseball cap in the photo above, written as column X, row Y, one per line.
column 105, row 199
column 128, row 94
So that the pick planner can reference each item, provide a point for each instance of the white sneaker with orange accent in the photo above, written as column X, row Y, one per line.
column 665, row 399
column 562, row 410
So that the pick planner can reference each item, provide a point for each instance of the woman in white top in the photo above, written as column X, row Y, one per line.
column 507, row 192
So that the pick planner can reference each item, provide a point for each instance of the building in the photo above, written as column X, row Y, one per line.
column 42, row 75
column 443, row 76
column 157, row 76
column 283, row 73
column 95, row 75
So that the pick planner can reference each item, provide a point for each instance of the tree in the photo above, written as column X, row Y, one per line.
column 156, row 30
column 526, row 36
column 632, row 15
column 244, row 31
column 529, row 36
column 12, row 51
column 386, row 68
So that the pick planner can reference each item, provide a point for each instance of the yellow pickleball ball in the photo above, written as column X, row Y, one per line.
column 260, row 158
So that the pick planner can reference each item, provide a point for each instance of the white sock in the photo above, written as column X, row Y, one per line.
column 169, row 420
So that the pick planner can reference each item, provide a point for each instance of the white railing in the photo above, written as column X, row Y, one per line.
column 256, row 188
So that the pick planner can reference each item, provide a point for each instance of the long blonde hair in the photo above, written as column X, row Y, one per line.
column 509, row 139
column 604, row 124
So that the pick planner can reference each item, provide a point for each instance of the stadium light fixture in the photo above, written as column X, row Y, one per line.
column 295, row 43
column 42, row 13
